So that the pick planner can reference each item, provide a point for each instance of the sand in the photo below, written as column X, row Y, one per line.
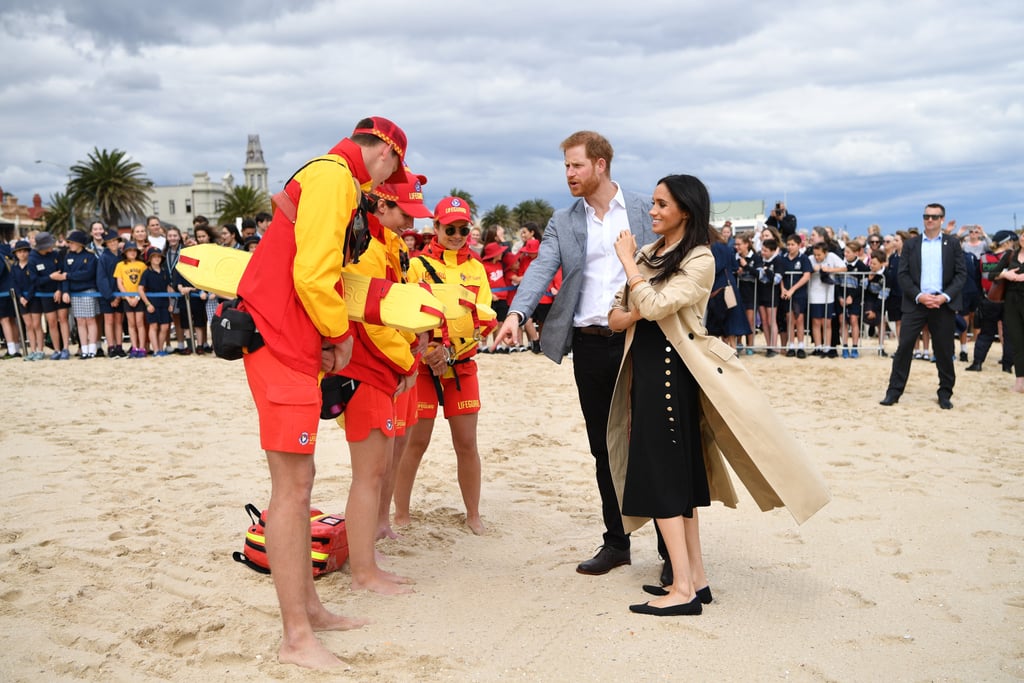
column 124, row 484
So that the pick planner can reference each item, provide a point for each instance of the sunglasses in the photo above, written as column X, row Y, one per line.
column 874, row 241
column 933, row 216
column 451, row 230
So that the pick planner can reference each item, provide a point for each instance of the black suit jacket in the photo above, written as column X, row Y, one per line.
column 954, row 272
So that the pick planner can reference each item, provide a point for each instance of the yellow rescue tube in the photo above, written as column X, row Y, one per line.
column 377, row 301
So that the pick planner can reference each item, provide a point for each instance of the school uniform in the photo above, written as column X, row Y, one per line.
column 81, row 271
column 852, row 287
column 40, row 267
column 769, row 279
column 157, row 282
column 792, row 270
column 746, row 278
column 105, row 283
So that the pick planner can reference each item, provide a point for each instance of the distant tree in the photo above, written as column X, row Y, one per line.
column 537, row 210
column 499, row 215
column 110, row 185
column 456, row 192
column 58, row 215
column 243, row 201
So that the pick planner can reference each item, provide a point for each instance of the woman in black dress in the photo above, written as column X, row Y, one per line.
column 665, row 476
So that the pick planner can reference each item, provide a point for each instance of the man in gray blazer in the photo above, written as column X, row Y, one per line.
column 580, row 240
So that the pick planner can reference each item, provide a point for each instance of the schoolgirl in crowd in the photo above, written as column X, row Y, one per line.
column 850, row 292
column 768, row 293
column 821, row 296
column 171, row 254
column 128, row 274
column 44, row 266
column 81, row 269
column 9, row 304
column 796, row 269
column 155, row 280
column 748, row 264
column 24, row 284
column 111, row 305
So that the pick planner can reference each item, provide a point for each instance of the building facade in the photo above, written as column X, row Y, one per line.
column 178, row 205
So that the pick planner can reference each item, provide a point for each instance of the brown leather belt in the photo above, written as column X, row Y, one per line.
column 597, row 331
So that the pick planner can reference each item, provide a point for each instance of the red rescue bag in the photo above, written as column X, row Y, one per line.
column 328, row 542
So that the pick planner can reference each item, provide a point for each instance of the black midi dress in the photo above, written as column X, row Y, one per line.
column 665, row 475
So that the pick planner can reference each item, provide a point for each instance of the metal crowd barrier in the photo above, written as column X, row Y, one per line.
column 844, row 282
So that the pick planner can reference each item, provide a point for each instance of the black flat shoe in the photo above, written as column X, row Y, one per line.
column 691, row 608
column 945, row 404
column 704, row 594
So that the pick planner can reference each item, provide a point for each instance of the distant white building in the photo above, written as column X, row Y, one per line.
column 745, row 214
column 178, row 204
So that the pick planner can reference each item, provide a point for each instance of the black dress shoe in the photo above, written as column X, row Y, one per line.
column 963, row 356
column 704, row 594
column 974, row 367
column 945, row 403
column 607, row 559
column 891, row 398
column 691, row 608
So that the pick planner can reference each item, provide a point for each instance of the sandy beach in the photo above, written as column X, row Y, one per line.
column 124, row 484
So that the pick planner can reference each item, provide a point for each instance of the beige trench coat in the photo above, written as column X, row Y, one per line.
column 737, row 421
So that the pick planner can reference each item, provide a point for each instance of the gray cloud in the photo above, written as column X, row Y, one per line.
column 856, row 114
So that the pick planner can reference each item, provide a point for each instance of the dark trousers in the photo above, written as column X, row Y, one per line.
column 941, row 323
column 595, row 362
column 1013, row 328
column 989, row 314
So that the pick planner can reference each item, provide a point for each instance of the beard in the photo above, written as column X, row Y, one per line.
column 586, row 187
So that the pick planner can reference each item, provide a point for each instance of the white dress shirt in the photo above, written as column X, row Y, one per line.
column 603, row 274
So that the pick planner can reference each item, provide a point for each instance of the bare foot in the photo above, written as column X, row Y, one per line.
column 402, row 519
column 396, row 578
column 476, row 525
column 385, row 531
column 1019, row 387
column 329, row 621
column 380, row 583
column 310, row 654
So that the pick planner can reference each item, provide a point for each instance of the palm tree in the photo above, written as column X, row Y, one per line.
column 537, row 210
column 499, row 215
column 462, row 194
column 58, row 215
column 243, row 201
column 110, row 185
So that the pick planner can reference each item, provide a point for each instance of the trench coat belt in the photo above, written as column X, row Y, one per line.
column 597, row 331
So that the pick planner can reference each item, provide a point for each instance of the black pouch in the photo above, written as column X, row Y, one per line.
column 336, row 391
column 234, row 331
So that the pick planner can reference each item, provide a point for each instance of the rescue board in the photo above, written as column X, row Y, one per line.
column 377, row 301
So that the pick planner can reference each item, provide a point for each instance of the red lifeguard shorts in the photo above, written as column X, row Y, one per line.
column 287, row 401
column 461, row 399
column 405, row 409
column 369, row 408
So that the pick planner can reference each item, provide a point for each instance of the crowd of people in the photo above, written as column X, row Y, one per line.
column 650, row 300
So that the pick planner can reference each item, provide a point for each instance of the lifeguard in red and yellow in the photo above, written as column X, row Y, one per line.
column 448, row 369
column 384, row 363
column 289, row 289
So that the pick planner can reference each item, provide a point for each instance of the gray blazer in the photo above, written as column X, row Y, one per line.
column 565, row 245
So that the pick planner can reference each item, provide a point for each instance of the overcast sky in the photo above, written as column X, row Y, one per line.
column 855, row 113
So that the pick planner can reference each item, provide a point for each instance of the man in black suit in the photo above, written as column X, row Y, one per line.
column 931, row 274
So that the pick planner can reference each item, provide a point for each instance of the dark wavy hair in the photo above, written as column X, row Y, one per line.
column 691, row 196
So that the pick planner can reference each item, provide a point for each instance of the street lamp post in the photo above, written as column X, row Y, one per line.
column 71, row 205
